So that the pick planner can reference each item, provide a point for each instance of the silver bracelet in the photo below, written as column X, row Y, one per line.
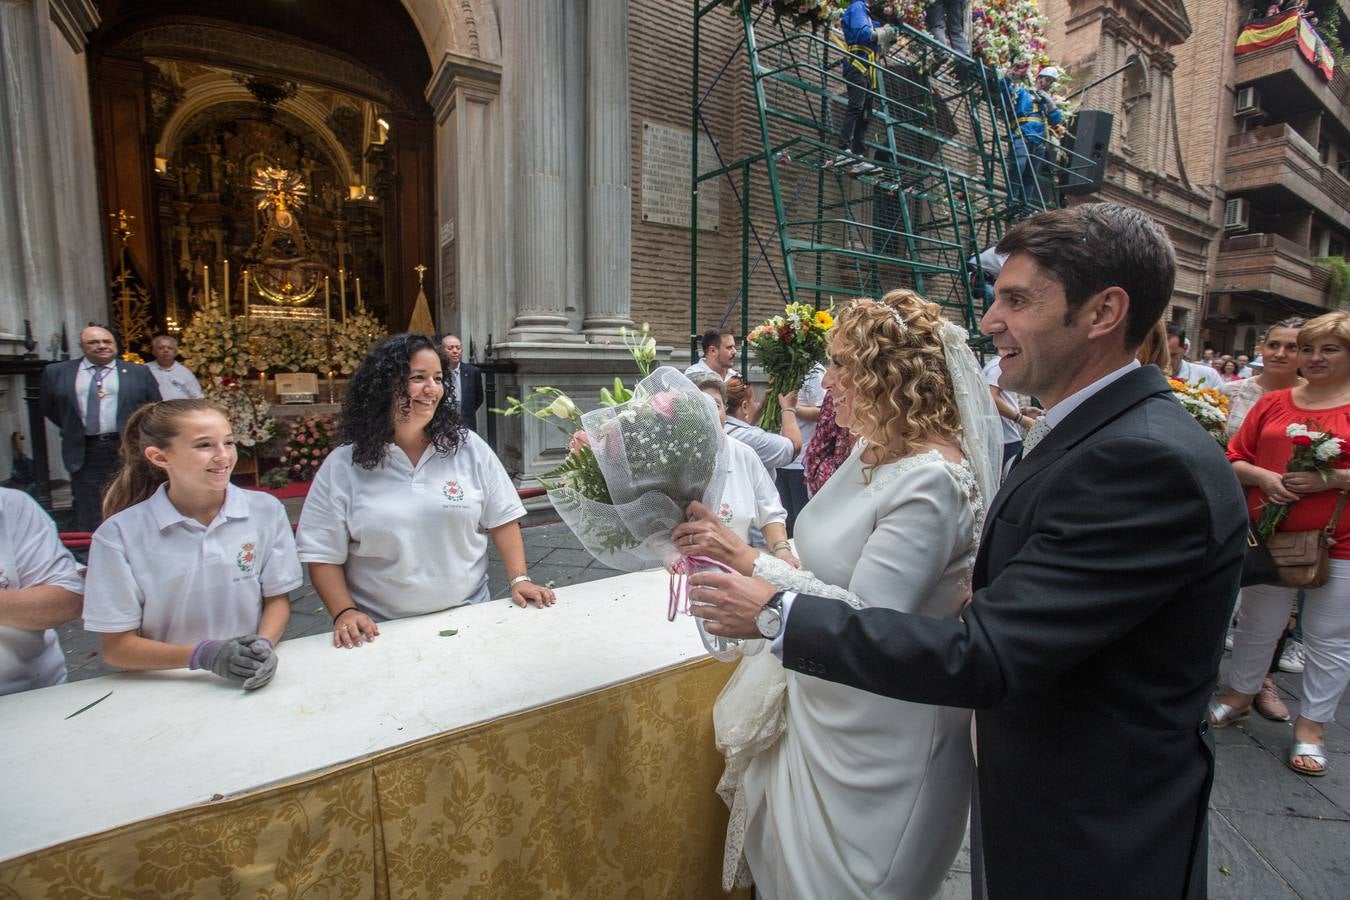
column 790, row 409
column 518, row 579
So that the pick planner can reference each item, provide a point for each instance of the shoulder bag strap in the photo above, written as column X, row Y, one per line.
column 1336, row 516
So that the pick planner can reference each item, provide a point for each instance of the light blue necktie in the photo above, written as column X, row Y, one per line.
column 93, row 401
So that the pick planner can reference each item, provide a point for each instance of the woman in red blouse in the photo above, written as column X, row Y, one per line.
column 1259, row 452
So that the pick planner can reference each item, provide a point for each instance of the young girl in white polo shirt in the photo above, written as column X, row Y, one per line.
column 188, row 569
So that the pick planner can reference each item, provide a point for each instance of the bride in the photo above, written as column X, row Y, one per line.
column 835, row 792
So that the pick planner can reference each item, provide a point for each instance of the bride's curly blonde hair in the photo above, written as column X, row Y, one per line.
column 896, row 377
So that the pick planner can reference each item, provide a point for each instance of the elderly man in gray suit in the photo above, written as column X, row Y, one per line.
column 90, row 400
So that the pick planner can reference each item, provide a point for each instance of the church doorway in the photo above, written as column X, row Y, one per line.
column 274, row 154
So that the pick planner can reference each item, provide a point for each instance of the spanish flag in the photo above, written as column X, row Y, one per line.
column 1290, row 25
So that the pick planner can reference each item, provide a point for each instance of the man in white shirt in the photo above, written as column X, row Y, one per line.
column 90, row 400
column 1189, row 372
column 1244, row 366
column 176, row 381
column 1009, row 406
column 719, row 351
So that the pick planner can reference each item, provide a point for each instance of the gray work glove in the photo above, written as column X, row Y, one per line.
column 234, row 659
column 268, row 667
column 885, row 36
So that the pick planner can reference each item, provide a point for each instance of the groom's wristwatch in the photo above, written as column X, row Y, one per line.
column 769, row 620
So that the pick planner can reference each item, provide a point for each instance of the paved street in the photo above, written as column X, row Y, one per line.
column 1273, row 834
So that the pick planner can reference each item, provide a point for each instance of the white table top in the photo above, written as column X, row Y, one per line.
column 170, row 740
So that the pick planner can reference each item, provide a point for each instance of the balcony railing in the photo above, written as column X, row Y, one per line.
column 1284, row 60
column 1270, row 264
column 1278, row 156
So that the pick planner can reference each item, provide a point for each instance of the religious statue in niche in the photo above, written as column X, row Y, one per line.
column 283, row 267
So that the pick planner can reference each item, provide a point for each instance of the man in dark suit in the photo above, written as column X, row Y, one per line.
column 1104, row 580
column 468, row 381
column 90, row 400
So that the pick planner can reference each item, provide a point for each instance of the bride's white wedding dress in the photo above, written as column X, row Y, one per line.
column 837, row 793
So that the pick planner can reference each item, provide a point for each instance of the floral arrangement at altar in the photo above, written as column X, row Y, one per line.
column 787, row 346
column 352, row 340
column 248, row 413
column 311, row 439
column 214, row 345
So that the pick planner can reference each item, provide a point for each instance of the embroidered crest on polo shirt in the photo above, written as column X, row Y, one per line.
column 453, row 492
column 725, row 514
column 244, row 560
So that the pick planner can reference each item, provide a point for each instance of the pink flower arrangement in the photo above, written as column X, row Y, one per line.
column 312, row 438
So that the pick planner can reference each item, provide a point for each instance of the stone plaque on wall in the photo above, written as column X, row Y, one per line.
column 665, row 177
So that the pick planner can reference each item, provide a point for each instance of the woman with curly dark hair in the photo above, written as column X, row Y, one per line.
column 397, row 520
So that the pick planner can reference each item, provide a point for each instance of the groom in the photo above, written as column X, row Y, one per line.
column 1104, row 580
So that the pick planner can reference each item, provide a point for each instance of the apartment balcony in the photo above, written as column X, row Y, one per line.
column 1288, row 84
column 1278, row 170
column 1266, row 265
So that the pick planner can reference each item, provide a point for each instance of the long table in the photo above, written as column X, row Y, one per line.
column 534, row 753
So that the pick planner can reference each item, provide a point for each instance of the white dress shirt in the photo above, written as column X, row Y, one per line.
column 173, row 579
column 107, row 407
column 702, row 368
column 411, row 539
column 31, row 554
column 1205, row 376
column 176, row 382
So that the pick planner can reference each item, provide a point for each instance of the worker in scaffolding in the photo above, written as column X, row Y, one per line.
column 864, row 39
column 1035, row 111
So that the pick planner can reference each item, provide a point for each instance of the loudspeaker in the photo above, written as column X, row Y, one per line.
column 1089, row 141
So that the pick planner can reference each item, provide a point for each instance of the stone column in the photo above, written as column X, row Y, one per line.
column 51, row 232
column 538, row 190
column 608, row 170
column 470, row 183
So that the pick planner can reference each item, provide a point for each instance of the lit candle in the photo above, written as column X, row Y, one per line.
column 330, row 386
column 206, row 286
column 342, row 292
column 360, row 307
column 327, row 306
column 246, row 293
column 227, row 286
column 262, row 383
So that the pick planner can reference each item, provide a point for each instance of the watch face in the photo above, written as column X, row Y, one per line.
column 769, row 621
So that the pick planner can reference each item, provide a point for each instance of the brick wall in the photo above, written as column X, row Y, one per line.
column 660, row 67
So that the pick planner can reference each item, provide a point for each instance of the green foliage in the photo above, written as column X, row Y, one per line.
column 274, row 478
column 1338, row 290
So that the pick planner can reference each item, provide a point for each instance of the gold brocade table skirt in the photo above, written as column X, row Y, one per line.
column 607, row 795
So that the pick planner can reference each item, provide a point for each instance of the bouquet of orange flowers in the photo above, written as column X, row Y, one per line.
column 787, row 346
column 1206, row 405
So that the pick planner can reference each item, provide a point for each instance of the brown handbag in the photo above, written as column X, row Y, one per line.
column 1302, row 557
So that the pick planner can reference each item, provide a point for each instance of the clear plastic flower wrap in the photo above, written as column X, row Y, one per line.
column 657, row 452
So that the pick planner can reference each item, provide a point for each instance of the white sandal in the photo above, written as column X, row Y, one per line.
column 1316, row 752
column 1221, row 715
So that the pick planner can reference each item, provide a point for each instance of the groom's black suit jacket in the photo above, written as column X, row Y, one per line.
column 1103, row 585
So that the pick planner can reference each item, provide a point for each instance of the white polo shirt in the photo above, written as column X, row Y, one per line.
column 175, row 382
column 749, row 497
column 411, row 539
column 155, row 570
column 811, row 393
column 31, row 554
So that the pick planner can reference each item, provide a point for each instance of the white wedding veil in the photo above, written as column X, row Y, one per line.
column 981, row 429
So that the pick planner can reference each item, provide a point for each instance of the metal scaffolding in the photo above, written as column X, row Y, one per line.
column 945, row 183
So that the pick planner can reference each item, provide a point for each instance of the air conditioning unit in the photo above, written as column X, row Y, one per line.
column 1236, row 214
column 1248, row 103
